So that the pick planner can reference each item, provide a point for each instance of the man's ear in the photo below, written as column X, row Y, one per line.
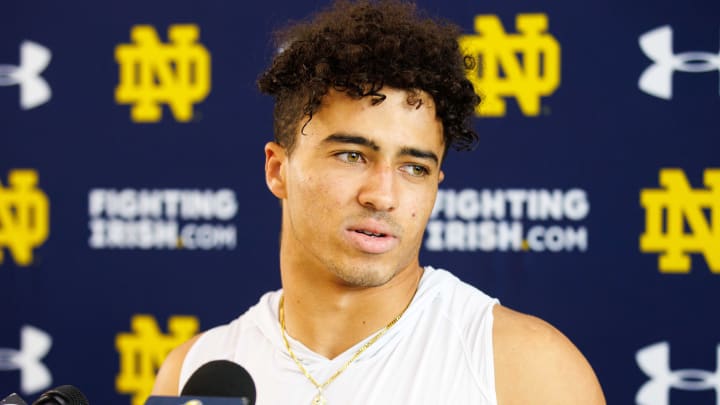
column 441, row 176
column 275, row 159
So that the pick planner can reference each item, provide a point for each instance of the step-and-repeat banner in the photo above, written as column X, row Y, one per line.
column 133, row 209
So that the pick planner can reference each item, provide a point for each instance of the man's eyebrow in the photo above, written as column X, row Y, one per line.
column 363, row 141
column 349, row 138
column 418, row 153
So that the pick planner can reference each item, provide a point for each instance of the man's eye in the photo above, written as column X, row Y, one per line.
column 416, row 170
column 350, row 157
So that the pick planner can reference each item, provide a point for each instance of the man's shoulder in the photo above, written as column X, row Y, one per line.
column 168, row 377
column 463, row 305
column 536, row 363
column 450, row 286
column 219, row 342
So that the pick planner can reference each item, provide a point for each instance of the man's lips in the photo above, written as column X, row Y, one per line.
column 371, row 237
column 375, row 232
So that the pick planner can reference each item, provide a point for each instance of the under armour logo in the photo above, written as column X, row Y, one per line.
column 657, row 44
column 34, row 345
column 654, row 361
column 34, row 90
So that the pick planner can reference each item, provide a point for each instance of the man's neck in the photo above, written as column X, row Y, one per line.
column 329, row 317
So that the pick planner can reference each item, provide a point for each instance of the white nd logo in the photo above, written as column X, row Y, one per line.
column 667, row 235
column 525, row 65
column 151, row 73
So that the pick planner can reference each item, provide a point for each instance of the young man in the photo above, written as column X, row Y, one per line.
column 369, row 96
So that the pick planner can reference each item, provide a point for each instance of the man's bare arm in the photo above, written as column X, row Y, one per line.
column 168, row 377
column 536, row 364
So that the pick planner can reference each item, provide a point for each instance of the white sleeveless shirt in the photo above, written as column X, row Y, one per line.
column 439, row 352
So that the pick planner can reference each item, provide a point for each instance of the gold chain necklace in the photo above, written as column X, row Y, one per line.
column 319, row 399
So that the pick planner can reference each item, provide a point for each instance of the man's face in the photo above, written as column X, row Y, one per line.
column 359, row 187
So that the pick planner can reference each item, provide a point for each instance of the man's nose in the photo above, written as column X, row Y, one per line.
column 379, row 191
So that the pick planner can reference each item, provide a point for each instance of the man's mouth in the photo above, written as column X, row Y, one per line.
column 372, row 236
column 368, row 233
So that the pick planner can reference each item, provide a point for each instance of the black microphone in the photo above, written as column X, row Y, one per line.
column 221, row 378
column 13, row 399
column 62, row 395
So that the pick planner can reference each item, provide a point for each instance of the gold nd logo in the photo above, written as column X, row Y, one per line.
column 668, row 235
column 24, row 216
column 143, row 351
column 151, row 73
column 524, row 65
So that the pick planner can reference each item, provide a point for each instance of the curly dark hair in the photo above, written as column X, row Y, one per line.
column 360, row 47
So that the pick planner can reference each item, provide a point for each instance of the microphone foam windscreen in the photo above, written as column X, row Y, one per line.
column 62, row 395
column 220, row 378
column 13, row 399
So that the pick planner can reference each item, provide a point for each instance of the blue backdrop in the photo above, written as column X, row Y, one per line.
column 133, row 209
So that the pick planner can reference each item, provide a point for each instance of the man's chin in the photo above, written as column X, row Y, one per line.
column 363, row 277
